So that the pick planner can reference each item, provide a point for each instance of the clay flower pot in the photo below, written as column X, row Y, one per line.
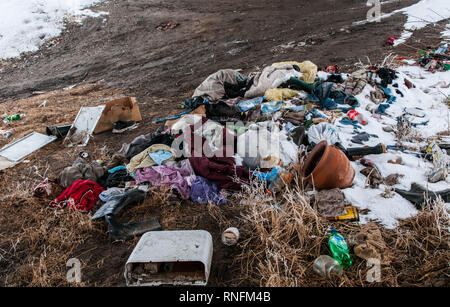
column 327, row 167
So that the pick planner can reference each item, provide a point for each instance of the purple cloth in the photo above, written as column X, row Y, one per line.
column 165, row 175
column 204, row 191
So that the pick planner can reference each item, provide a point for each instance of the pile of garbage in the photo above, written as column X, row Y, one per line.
column 291, row 122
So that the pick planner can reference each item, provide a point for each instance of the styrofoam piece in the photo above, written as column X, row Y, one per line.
column 84, row 125
column 23, row 147
column 171, row 258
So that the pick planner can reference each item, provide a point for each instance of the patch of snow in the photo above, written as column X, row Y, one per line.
column 25, row 25
column 426, row 96
column 421, row 14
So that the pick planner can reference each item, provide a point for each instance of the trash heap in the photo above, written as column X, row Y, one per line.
column 291, row 123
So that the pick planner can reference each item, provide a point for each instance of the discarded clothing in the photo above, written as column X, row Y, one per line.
column 361, row 137
column 80, row 170
column 107, row 194
column 117, row 168
column 387, row 75
column 329, row 98
column 116, row 179
column 330, row 203
column 204, row 191
column 160, row 156
column 382, row 108
column 116, row 160
column 271, row 77
column 220, row 170
column 165, row 176
column 143, row 142
column 370, row 244
column 144, row 160
column 279, row 94
column 300, row 85
column 307, row 68
column 81, row 195
column 222, row 109
column 214, row 85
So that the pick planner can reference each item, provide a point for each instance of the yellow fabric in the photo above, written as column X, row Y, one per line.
column 142, row 159
column 307, row 68
column 278, row 94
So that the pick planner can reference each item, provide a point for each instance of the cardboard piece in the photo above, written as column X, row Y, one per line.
column 123, row 109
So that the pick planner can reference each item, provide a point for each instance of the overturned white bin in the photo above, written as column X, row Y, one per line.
column 170, row 258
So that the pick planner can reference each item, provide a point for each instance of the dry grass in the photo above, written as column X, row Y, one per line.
column 281, row 243
column 42, row 243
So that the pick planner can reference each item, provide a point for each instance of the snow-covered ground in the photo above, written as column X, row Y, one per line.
column 27, row 24
column 421, row 14
column 425, row 96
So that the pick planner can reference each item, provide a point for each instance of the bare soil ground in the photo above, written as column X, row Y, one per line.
column 128, row 56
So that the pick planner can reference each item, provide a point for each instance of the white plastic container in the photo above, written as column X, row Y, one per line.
column 170, row 258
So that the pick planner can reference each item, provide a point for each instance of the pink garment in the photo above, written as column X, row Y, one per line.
column 166, row 175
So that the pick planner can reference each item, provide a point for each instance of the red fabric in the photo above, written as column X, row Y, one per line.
column 390, row 40
column 221, row 171
column 219, row 168
column 81, row 195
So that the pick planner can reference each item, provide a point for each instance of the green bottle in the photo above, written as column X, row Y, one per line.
column 339, row 249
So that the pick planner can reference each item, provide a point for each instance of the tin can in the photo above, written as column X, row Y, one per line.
column 230, row 236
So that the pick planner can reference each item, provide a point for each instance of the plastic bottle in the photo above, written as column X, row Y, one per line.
column 324, row 265
column 339, row 249
column 246, row 105
column 354, row 115
column 14, row 117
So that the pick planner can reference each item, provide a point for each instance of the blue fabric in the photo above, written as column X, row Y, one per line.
column 117, row 168
column 160, row 156
column 328, row 97
column 204, row 191
column 163, row 119
column 354, row 123
column 387, row 92
column 382, row 108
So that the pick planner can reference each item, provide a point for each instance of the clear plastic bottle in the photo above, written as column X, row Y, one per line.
column 325, row 265
column 246, row 105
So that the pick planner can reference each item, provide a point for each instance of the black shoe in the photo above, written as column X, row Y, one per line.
column 121, row 126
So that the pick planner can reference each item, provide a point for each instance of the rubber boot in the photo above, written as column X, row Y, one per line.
column 116, row 203
column 122, row 232
column 416, row 195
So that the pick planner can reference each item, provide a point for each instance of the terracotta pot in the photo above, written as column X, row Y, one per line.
column 327, row 167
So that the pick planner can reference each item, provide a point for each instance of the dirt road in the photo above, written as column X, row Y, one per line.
column 128, row 51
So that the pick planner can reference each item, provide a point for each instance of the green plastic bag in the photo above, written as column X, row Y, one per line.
column 339, row 249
